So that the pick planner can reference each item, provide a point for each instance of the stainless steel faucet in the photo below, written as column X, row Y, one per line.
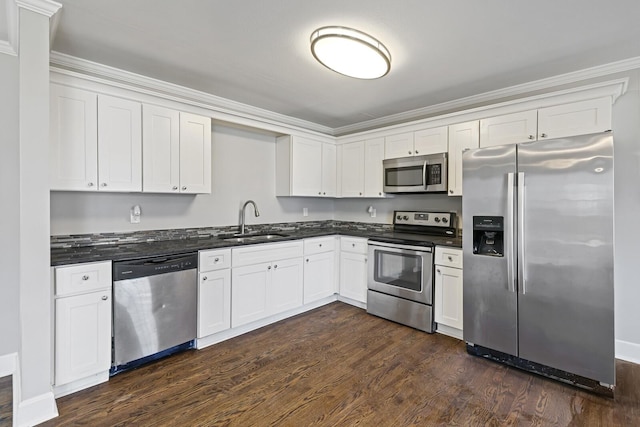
column 242, row 212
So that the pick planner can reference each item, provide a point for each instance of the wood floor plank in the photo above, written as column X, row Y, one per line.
column 338, row 366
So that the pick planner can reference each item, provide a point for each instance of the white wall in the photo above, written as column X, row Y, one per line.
column 10, row 213
column 626, row 127
column 243, row 167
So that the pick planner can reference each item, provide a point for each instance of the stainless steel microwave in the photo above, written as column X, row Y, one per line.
column 418, row 174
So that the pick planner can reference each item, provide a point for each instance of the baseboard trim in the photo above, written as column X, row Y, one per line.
column 628, row 351
column 72, row 387
column 352, row 302
column 449, row 331
column 36, row 410
column 8, row 363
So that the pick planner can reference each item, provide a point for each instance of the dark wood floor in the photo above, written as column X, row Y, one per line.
column 339, row 366
column 6, row 401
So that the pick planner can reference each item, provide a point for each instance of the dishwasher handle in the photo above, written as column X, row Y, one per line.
column 133, row 269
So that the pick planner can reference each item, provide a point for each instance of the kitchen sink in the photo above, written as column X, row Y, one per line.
column 253, row 237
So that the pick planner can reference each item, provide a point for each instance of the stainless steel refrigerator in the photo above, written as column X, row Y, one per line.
column 538, row 257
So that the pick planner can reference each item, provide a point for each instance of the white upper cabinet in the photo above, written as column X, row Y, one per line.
column 195, row 154
column 462, row 136
column 431, row 141
column 352, row 183
column 119, row 144
column 509, row 128
column 373, row 156
column 577, row 118
column 400, row 145
column 305, row 167
column 73, row 135
column 160, row 149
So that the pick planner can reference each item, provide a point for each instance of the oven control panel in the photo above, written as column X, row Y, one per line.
column 431, row 219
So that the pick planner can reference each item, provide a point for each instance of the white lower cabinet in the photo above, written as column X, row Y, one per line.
column 82, row 323
column 319, row 268
column 270, row 286
column 214, row 291
column 448, row 290
column 353, row 268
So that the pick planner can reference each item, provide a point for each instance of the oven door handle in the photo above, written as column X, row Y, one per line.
column 400, row 246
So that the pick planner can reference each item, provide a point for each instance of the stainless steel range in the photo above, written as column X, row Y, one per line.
column 400, row 277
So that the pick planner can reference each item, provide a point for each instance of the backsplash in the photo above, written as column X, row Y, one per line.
column 80, row 240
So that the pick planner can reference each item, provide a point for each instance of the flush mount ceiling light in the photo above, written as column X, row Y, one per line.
column 350, row 52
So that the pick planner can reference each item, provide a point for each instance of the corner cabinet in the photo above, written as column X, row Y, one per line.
column 305, row 167
column 462, row 136
column 448, row 304
column 95, row 141
column 176, row 151
column 82, row 326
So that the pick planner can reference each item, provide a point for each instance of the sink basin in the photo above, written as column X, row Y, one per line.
column 253, row 237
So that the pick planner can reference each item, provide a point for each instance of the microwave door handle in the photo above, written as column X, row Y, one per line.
column 424, row 174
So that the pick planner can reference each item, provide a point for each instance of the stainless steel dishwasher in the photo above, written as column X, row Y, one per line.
column 154, row 309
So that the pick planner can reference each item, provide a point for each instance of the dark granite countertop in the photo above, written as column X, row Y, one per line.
column 120, row 251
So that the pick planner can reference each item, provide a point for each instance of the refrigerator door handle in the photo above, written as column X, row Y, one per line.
column 522, row 275
column 510, row 223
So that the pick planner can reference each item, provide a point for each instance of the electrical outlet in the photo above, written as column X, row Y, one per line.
column 134, row 214
column 373, row 213
column 305, row 211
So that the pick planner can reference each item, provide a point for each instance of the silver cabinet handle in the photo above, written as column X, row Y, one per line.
column 204, row 277
column 543, row 135
column 216, row 259
column 104, row 184
column 90, row 184
column 530, row 136
column 104, row 297
column 175, row 187
column 184, row 187
column 85, row 277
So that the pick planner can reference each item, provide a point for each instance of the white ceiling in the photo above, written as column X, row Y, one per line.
column 257, row 52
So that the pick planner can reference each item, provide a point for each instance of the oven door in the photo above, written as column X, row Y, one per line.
column 401, row 270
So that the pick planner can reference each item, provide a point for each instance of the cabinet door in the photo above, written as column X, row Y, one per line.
column 448, row 296
column 578, row 118
column 119, row 144
column 352, row 169
column 307, row 167
column 285, row 288
column 462, row 136
column 195, row 154
column 431, row 141
column 319, row 275
column 214, row 302
column 329, row 173
column 373, row 156
column 249, row 293
column 400, row 145
column 353, row 276
column 82, row 336
column 509, row 129
column 73, row 134
column 160, row 149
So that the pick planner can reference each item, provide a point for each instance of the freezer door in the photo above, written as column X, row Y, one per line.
column 565, row 299
column 489, row 293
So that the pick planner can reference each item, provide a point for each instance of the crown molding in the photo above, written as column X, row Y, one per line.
column 43, row 7
column 6, row 48
column 488, row 97
column 64, row 63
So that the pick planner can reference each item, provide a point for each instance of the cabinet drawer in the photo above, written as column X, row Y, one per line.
column 214, row 259
column 356, row 245
column 82, row 278
column 256, row 254
column 450, row 257
column 319, row 244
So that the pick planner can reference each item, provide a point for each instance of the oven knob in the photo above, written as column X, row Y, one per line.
column 437, row 219
column 406, row 218
column 398, row 217
column 445, row 220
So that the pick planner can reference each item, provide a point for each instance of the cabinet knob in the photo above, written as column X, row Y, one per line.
column 438, row 270
column 353, row 244
column 85, row 277
column 451, row 191
column 104, row 184
column 307, row 259
column 416, row 151
column 275, row 266
column 90, row 184
column 360, row 194
column 216, row 259
column 530, row 136
column 175, row 187
column 184, row 187
column 324, row 193
column 450, row 258
column 319, row 193
column 204, row 277
column 320, row 244
column 543, row 135
column 379, row 194
column 409, row 151
column 104, row 297
column 269, row 268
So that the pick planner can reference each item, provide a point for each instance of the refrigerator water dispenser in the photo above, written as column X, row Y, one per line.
column 488, row 235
